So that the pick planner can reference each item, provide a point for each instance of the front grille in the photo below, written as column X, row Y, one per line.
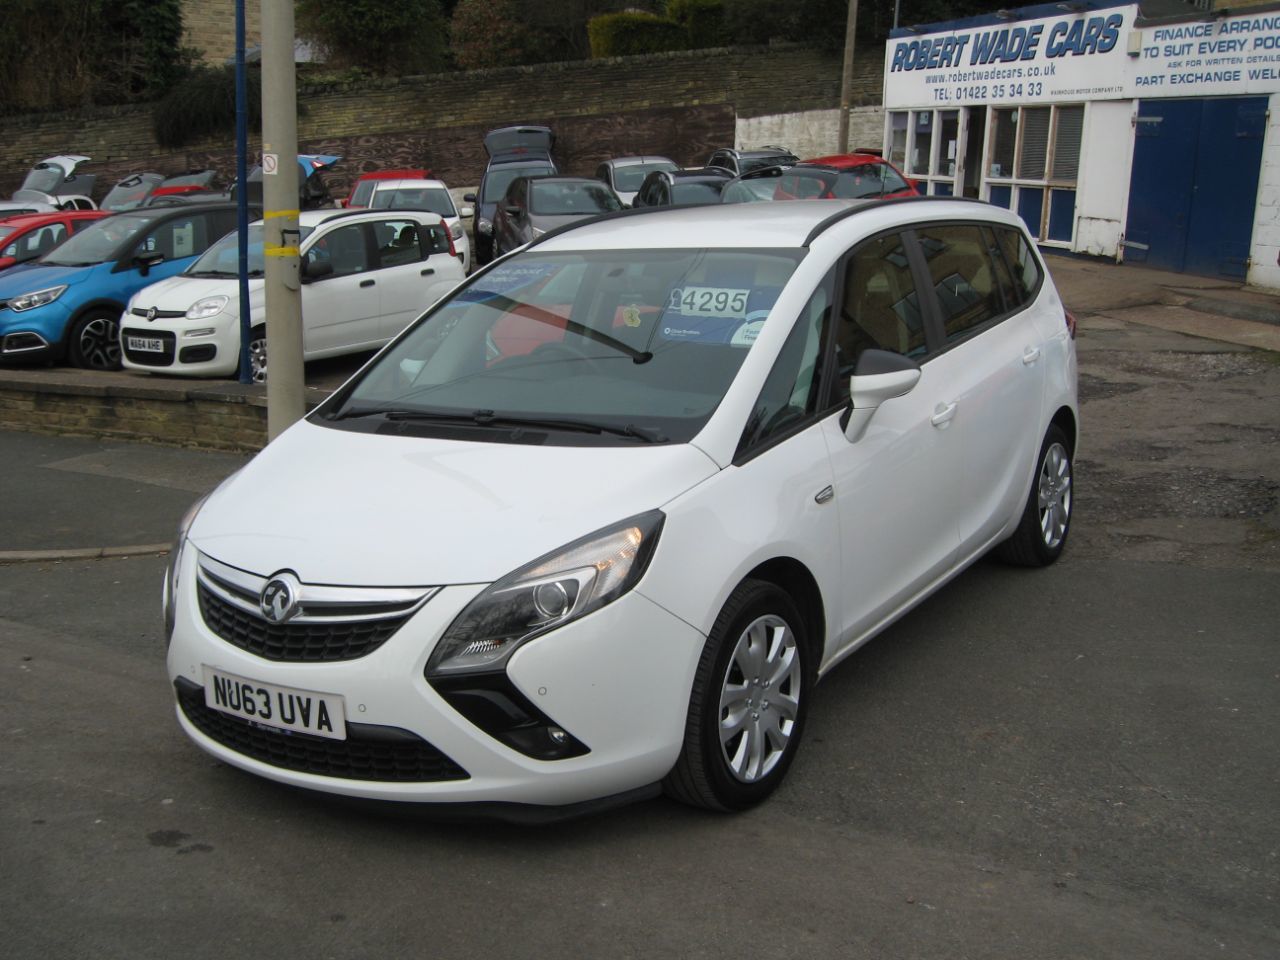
column 160, row 314
column 332, row 623
column 370, row 752
column 149, row 358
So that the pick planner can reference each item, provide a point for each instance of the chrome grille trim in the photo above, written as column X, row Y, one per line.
column 320, row 603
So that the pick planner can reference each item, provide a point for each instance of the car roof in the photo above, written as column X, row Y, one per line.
column 754, row 225
column 409, row 183
column 40, row 219
column 315, row 218
column 632, row 161
column 560, row 178
column 845, row 161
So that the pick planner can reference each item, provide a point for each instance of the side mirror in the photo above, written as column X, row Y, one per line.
column 511, row 210
column 145, row 261
column 914, row 184
column 467, row 211
column 316, row 270
column 879, row 376
column 468, row 198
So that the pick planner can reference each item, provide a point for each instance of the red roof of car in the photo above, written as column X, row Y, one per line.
column 847, row 161
column 56, row 216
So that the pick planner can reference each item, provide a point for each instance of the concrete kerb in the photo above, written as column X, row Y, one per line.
column 8, row 557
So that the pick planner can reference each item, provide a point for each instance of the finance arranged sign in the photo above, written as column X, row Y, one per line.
column 1093, row 55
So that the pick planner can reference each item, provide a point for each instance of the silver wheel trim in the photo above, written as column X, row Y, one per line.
column 100, row 343
column 258, row 359
column 759, row 699
column 1054, row 495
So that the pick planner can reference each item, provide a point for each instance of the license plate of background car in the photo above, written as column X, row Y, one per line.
column 269, row 705
column 146, row 343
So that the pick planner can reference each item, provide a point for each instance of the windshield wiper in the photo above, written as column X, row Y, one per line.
column 488, row 418
column 210, row 273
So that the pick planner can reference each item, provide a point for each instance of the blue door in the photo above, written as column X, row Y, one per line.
column 1194, row 184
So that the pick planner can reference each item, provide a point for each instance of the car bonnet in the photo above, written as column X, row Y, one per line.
column 341, row 507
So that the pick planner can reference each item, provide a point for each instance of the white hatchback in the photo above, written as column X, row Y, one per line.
column 430, row 195
column 366, row 276
column 597, row 524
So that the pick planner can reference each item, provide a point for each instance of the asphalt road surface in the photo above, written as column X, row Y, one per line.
column 1074, row 762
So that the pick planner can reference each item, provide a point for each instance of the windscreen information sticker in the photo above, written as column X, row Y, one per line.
column 712, row 315
column 507, row 279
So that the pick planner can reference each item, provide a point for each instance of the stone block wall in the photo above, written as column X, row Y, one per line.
column 210, row 27
column 682, row 104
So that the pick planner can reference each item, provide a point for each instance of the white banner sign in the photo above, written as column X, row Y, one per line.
column 1234, row 55
column 1078, row 56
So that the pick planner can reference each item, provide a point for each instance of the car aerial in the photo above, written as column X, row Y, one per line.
column 744, row 161
column 814, row 180
column 67, row 304
column 597, row 523
column 520, row 151
column 30, row 236
column 668, row 188
column 425, row 194
column 625, row 174
column 365, row 275
column 363, row 186
column 533, row 206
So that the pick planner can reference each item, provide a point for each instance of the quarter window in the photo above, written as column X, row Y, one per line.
column 1022, row 262
column 397, row 242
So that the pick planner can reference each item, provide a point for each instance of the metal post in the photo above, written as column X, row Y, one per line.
column 285, row 381
column 846, row 80
column 242, row 192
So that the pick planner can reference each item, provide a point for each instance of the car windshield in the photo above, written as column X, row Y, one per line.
column 749, row 191
column 223, row 258
column 6, row 231
column 869, row 180
column 696, row 192
column 601, row 346
column 130, row 192
column 628, row 178
column 498, row 179
column 747, row 164
column 435, row 199
column 44, row 178
column 98, row 242
column 202, row 179
column 556, row 199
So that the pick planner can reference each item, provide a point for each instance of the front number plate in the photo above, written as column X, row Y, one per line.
column 146, row 344
column 284, row 708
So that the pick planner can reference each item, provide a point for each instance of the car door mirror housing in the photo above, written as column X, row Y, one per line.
column 468, row 198
column 316, row 270
column 880, row 375
column 145, row 261
column 466, row 212
column 511, row 210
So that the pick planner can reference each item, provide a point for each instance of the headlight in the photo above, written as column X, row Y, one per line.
column 29, row 301
column 548, row 593
column 484, row 226
column 173, row 570
column 455, row 230
column 208, row 307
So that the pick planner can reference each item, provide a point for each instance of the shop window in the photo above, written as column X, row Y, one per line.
column 949, row 128
column 898, row 140
column 1035, row 142
column 1066, row 143
column 923, row 146
column 1004, row 143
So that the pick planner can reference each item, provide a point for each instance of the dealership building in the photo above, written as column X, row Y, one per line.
column 1151, row 141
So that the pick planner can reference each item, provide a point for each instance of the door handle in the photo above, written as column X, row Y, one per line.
column 427, row 272
column 366, row 283
column 942, row 413
column 1030, row 355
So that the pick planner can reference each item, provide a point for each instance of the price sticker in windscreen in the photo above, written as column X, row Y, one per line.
column 709, row 302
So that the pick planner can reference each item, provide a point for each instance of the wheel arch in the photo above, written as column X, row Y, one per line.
column 795, row 579
column 1065, row 420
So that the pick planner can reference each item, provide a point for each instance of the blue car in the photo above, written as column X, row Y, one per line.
column 67, row 305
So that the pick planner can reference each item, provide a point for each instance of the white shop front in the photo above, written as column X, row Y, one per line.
column 1110, row 135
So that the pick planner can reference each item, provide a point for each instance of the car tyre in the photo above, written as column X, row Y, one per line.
column 1046, row 518
column 258, row 355
column 748, row 705
column 93, row 340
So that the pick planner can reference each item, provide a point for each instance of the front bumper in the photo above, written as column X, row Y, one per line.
column 33, row 334
column 617, row 680
column 216, row 354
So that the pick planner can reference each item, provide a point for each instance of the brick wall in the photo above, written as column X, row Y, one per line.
column 681, row 104
column 210, row 27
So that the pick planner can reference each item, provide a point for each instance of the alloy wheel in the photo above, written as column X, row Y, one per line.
column 1054, row 495
column 99, row 343
column 759, row 698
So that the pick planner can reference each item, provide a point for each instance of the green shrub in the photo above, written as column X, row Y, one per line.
column 629, row 34
column 703, row 21
column 402, row 37
column 203, row 105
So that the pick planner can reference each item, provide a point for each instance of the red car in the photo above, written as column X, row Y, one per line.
column 362, row 189
column 868, row 174
column 29, row 236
